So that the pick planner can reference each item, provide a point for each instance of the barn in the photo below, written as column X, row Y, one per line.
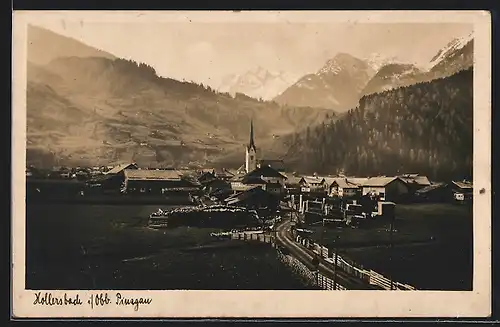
column 112, row 181
column 157, row 182
column 386, row 188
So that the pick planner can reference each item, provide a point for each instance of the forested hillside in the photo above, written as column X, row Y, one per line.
column 99, row 110
column 425, row 128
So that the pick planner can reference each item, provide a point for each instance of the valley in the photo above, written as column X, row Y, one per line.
column 87, row 106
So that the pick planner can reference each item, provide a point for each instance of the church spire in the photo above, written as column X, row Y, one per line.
column 251, row 144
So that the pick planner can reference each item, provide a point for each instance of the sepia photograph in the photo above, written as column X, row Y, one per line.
column 249, row 152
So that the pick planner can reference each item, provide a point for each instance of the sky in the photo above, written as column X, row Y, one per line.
column 206, row 52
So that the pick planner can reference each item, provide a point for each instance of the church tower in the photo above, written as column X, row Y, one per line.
column 251, row 153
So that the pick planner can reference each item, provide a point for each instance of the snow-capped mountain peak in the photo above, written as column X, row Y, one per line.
column 258, row 83
column 341, row 62
column 454, row 45
column 377, row 60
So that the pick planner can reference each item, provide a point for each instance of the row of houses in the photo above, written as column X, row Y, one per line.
column 411, row 187
column 271, row 178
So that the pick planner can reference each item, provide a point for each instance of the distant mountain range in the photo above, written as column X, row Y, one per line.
column 343, row 80
column 85, row 106
column 425, row 128
column 258, row 83
column 336, row 85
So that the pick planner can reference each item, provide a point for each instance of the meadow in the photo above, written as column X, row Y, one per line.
column 432, row 246
column 84, row 246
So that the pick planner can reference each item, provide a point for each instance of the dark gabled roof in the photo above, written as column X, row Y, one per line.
column 207, row 177
column 248, row 194
column 123, row 166
column 430, row 188
column 313, row 180
column 415, row 179
column 220, row 191
column 265, row 171
column 277, row 164
column 223, row 172
column 293, row 180
column 253, row 180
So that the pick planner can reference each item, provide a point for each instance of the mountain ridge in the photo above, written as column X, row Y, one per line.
column 335, row 85
column 127, row 112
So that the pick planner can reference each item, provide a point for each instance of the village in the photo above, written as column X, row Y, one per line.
column 269, row 176
column 314, row 221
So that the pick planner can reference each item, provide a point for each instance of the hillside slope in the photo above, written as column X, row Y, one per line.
column 98, row 110
column 45, row 46
column 425, row 128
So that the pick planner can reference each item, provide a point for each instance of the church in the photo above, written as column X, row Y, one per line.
column 251, row 160
column 251, row 153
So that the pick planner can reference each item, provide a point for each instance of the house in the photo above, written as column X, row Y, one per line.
column 254, row 198
column 344, row 187
column 264, row 177
column 223, row 174
column 157, row 181
column 292, row 184
column 207, row 177
column 268, row 174
column 462, row 190
column 436, row 192
column 215, row 184
column 112, row 181
column 121, row 167
column 328, row 182
column 276, row 164
column 415, row 182
column 386, row 188
column 312, row 184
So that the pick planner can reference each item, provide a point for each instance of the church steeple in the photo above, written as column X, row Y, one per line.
column 251, row 152
column 252, row 143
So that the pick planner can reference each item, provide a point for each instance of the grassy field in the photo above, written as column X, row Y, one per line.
column 110, row 247
column 432, row 246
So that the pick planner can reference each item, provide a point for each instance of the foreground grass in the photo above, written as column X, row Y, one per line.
column 110, row 247
column 432, row 246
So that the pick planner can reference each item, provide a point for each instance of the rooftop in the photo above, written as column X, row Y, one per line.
column 136, row 174
column 121, row 167
column 379, row 181
column 344, row 182
column 265, row 171
column 415, row 179
column 431, row 187
column 313, row 179
column 463, row 184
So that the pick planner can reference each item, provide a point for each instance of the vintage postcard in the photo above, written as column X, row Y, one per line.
column 251, row 164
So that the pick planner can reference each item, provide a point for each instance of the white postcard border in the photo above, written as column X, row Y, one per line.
column 205, row 304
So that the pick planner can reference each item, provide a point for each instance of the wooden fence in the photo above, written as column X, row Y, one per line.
column 368, row 276
column 310, row 277
column 260, row 237
column 314, row 278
